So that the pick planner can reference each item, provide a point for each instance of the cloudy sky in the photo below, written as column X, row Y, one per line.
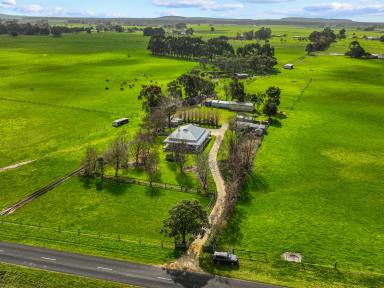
column 361, row 10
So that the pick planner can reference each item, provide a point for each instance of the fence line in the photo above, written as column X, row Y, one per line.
column 133, row 114
column 166, row 186
column 81, row 234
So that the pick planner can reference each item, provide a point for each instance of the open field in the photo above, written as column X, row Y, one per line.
column 317, row 188
column 15, row 276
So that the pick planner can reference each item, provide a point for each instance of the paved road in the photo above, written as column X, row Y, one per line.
column 112, row 270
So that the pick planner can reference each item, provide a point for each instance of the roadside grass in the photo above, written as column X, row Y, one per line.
column 17, row 276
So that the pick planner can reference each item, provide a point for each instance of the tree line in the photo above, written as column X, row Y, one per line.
column 252, row 58
column 14, row 28
column 189, row 47
column 261, row 34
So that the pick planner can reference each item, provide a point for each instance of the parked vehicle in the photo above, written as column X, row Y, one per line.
column 225, row 258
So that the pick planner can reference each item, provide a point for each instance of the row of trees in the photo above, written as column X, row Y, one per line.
column 238, row 165
column 14, row 28
column 149, row 31
column 206, row 117
column 189, row 47
column 261, row 34
column 258, row 64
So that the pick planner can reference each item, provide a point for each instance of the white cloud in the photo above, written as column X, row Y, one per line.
column 8, row 3
column 335, row 10
column 201, row 4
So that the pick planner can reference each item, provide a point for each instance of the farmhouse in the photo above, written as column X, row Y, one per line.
column 231, row 105
column 192, row 139
column 288, row 66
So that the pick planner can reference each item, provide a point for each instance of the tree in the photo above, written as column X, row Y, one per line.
column 151, row 165
column 382, row 38
column 90, row 162
column 181, row 26
column 273, row 94
column 117, row 154
column 341, row 34
column 202, row 162
column 152, row 96
column 270, row 109
column 101, row 167
column 212, row 29
column 142, row 143
column 186, row 218
column 237, row 90
column 356, row 51
column 310, row 48
column 263, row 33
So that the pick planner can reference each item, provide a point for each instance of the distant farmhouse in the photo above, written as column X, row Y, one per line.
column 231, row 105
column 189, row 137
column 288, row 66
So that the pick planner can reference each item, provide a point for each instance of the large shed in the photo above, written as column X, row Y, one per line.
column 231, row 105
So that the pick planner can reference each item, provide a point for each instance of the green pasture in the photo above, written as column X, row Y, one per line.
column 132, row 211
column 317, row 187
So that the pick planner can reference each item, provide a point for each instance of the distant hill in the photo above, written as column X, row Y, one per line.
column 195, row 20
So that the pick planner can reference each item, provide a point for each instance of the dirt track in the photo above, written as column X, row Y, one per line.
column 190, row 261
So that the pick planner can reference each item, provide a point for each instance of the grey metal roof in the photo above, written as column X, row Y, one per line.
column 190, row 134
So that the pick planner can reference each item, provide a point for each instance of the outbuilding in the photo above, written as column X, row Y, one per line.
column 231, row 105
column 288, row 66
column 120, row 122
column 257, row 129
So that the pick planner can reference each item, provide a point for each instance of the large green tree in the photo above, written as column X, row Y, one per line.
column 152, row 96
column 186, row 218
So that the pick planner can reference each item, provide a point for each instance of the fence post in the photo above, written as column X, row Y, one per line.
column 265, row 257
column 336, row 266
column 119, row 237
column 59, row 229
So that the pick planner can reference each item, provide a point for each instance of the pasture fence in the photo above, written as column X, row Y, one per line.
column 140, row 245
column 252, row 256
column 167, row 186
column 295, row 101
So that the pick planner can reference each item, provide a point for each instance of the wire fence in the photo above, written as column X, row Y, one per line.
column 261, row 257
column 140, row 245
column 83, row 109
column 167, row 186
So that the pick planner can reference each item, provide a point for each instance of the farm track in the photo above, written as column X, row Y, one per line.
column 190, row 261
column 15, row 166
column 38, row 193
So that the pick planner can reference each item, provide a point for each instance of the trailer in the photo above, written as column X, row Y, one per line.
column 120, row 122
